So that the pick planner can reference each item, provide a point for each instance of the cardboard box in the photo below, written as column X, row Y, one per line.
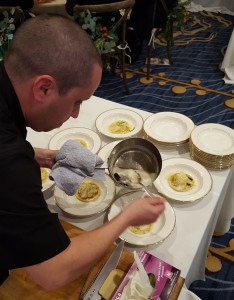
column 165, row 275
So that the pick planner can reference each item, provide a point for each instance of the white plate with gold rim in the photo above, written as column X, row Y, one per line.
column 202, row 180
column 168, row 127
column 87, row 137
column 160, row 230
column 132, row 123
column 215, row 139
column 74, row 207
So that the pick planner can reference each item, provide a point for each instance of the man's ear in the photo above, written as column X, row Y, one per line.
column 44, row 86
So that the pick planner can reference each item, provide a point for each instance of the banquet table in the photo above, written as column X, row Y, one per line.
column 186, row 247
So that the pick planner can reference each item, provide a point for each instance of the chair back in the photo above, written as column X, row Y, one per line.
column 18, row 15
column 124, row 6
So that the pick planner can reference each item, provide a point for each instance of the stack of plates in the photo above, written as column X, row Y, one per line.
column 168, row 128
column 212, row 145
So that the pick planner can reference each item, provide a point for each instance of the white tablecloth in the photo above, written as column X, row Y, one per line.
column 186, row 247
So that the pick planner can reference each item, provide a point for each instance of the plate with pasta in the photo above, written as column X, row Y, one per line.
column 147, row 234
column 183, row 179
column 119, row 123
column 91, row 198
column 85, row 136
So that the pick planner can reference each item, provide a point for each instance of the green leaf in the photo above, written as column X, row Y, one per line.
column 12, row 11
column 5, row 13
column 82, row 14
column 112, row 44
column 12, row 27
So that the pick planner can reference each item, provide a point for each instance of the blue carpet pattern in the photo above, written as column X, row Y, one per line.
column 220, row 285
column 195, row 60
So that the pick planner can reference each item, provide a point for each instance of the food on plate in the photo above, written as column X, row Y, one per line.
column 142, row 229
column 44, row 175
column 88, row 191
column 82, row 142
column 181, row 182
column 120, row 127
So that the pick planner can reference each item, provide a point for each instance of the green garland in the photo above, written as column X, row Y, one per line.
column 104, row 38
column 7, row 28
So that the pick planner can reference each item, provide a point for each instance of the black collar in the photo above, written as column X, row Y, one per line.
column 9, row 98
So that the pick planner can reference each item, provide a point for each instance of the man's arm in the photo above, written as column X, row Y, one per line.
column 45, row 157
column 88, row 248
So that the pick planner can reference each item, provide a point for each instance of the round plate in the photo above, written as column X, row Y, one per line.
column 215, row 139
column 104, row 120
column 200, row 175
column 168, row 127
column 71, row 205
column 90, row 138
column 161, row 228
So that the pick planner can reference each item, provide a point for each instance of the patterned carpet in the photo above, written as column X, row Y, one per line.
column 218, row 285
column 196, row 55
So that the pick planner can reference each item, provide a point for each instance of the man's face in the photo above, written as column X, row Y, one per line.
column 68, row 105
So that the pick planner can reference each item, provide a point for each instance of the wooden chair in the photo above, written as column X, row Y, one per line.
column 19, row 14
column 155, row 32
column 119, row 53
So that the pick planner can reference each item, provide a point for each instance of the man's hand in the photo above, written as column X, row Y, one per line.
column 45, row 157
column 144, row 211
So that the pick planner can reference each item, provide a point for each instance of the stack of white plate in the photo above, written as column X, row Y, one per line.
column 168, row 128
column 212, row 145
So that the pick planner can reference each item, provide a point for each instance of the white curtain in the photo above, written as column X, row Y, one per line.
column 222, row 6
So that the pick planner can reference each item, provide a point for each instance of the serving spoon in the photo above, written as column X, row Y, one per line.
column 145, row 188
column 126, row 181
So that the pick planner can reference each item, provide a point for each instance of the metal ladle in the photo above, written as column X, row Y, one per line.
column 128, row 183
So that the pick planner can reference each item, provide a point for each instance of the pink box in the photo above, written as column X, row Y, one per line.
column 165, row 274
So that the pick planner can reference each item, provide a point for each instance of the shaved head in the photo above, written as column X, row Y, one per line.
column 52, row 45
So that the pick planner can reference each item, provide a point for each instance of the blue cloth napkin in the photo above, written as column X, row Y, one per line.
column 73, row 164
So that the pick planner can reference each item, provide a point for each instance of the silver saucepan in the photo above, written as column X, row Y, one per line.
column 134, row 162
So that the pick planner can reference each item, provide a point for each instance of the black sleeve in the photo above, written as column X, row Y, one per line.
column 29, row 232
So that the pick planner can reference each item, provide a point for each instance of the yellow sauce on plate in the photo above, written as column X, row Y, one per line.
column 120, row 127
column 142, row 229
column 181, row 182
column 82, row 142
column 44, row 175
